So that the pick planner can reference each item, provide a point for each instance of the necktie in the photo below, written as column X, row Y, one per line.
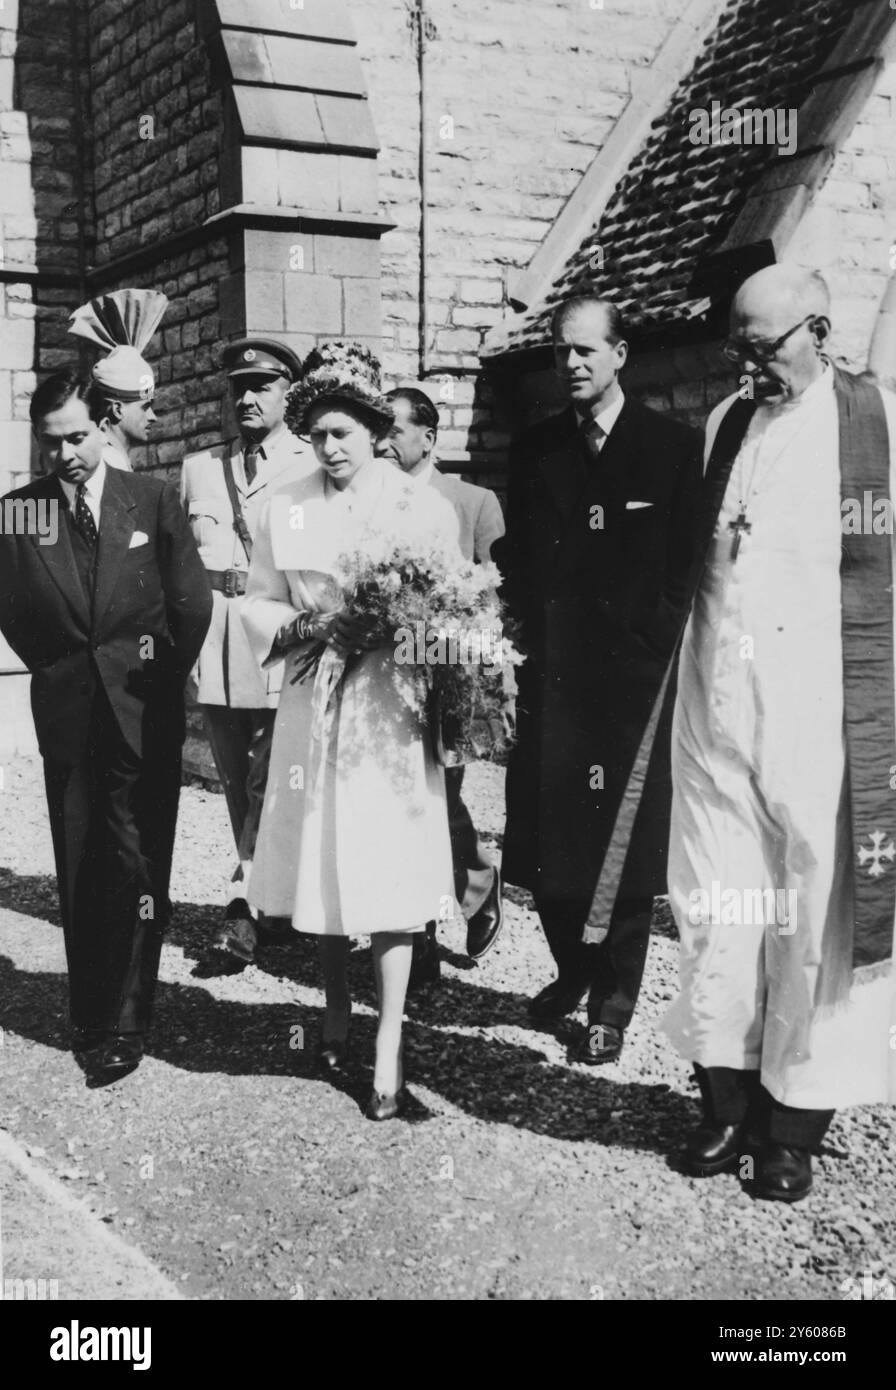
column 593, row 437
column 84, row 516
column 250, row 463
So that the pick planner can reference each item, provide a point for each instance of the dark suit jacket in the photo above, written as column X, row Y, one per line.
column 600, row 586
column 151, row 610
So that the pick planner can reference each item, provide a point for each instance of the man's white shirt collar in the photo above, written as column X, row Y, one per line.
column 606, row 417
column 93, row 490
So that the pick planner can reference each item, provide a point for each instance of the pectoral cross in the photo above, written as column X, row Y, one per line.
column 738, row 526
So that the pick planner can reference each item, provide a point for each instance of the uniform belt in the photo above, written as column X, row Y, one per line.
column 230, row 583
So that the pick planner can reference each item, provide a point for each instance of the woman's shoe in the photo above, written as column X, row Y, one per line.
column 381, row 1107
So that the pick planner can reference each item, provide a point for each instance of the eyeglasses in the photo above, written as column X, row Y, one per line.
column 761, row 352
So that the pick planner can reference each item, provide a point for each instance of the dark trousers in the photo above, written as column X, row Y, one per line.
column 733, row 1097
column 474, row 872
column 113, row 817
column 241, row 747
column 611, row 971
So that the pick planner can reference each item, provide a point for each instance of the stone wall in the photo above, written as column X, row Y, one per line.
column 519, row 99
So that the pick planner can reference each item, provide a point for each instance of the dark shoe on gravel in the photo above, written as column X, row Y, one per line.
column 484, row 927
column 783, row 1173
column 238, row 937
column 119, row 1055
column 556, row 1000
column 602, row 1043
column 381, row 1107
column 712, row 1148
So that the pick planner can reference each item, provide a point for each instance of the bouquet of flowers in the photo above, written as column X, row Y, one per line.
column 453, row 661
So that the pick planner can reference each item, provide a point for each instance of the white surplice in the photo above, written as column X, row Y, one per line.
column 759, row 803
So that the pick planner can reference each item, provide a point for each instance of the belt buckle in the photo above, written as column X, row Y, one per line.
column 231, row 583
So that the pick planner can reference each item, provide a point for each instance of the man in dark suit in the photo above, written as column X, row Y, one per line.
column 411, row 444
column 596, row 560
column 108, row 610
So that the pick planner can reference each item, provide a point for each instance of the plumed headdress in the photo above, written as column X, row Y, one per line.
column 341, row 372
column 122, row 323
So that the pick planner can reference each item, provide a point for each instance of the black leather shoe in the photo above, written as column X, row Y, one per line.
column 484, row 927
column 381, row 1107
column 712, row 1148
column 238, row 937
column 426, row 968
column 602, row 1043
column 119, row 1055
column 783, row 1173
column 556, row 1000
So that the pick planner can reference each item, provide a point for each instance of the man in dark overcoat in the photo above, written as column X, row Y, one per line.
column 598, row 564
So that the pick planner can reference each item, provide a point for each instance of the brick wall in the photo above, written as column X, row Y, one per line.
column 157, row 131
column 519, row 99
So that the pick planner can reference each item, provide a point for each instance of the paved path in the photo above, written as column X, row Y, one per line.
column 237, row 1172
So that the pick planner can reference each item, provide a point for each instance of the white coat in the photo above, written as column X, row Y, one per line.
column 365, row 848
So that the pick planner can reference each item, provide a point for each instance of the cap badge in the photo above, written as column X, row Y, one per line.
column 249, row 355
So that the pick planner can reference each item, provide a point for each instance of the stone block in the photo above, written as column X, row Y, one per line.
column 363, row 307
column 264, row 301
column 274, row 113
column 16, row 450
column 303, row 62
column 313, row 304
column 307, row 179
column 358, row 184
column 259, row 170
column 17, row 344
column 286, row 252
column 346, row 255
column 246, row 56
column 319, row 19
column 18, row 197
column 347, row 122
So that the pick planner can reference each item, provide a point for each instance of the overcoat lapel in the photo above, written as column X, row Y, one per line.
column 115, row 532
column 59, row 558
column 605, row 486
column 560, row 465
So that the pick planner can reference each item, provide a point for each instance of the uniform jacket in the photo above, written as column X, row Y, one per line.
column 478, row 512
column 150, row 612
column 227, row 672
column 597, row 563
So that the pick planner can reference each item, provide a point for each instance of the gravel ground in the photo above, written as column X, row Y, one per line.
column 242, row 1174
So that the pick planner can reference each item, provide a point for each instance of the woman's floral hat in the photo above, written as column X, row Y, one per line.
column 347, row 372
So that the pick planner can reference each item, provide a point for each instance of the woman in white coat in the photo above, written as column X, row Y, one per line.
column 354, row 833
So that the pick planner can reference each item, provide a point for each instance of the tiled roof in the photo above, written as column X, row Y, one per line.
column 678, row 200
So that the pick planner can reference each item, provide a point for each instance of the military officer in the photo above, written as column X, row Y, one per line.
column 223, row 490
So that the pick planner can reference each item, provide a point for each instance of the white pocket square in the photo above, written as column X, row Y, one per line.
column 635, row 506
column 138, row 538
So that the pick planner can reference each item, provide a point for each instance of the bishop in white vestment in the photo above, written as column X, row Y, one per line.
column 782, row 1026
